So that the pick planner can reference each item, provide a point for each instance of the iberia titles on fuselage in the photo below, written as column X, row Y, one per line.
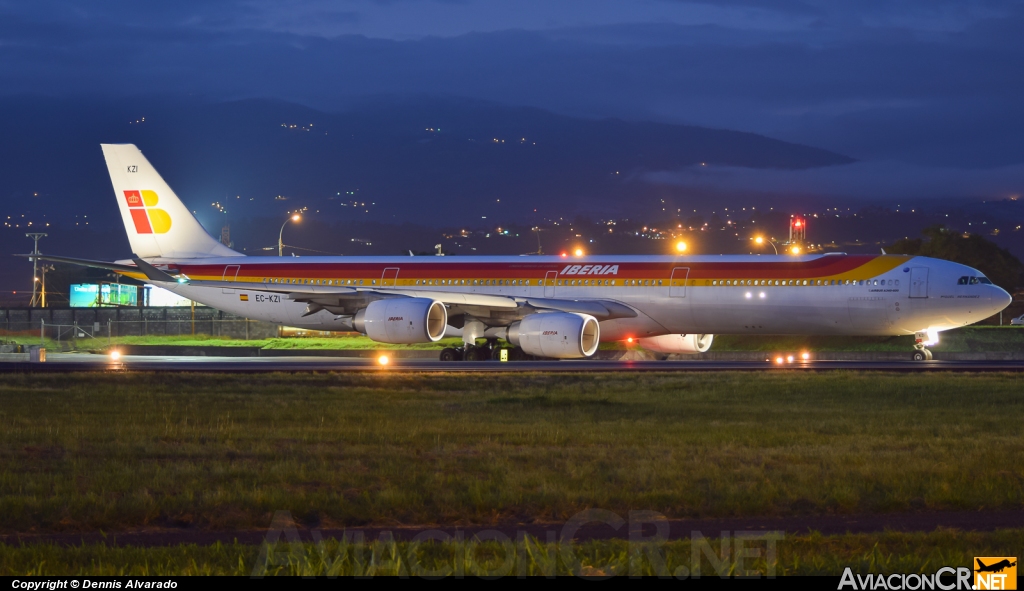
column 560, row 307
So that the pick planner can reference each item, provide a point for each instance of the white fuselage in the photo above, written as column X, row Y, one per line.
column 831, row 294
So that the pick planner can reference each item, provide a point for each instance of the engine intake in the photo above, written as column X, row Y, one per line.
column 403, row 320
column 560, row 335
column 678, row 343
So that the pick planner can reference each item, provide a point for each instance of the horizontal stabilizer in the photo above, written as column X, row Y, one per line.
column 151, row 272
column 83, row 262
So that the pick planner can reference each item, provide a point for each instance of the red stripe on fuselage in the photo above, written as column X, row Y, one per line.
column 819, row 267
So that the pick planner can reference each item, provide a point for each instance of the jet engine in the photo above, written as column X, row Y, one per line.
column 402, row 320
column 678, row 343
column 560, row 335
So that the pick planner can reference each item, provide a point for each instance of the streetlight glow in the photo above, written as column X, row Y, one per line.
column 280, row 235
column 579, row 252
column 680, row 246
column 795, row 249
column 759, row 240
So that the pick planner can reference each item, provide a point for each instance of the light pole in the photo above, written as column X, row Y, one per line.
column 761, row 240
column 280, row 235
column 35, row 236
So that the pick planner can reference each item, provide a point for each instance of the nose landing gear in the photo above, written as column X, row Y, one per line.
column 922, row 340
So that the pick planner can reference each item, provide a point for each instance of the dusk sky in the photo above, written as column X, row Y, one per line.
column 926, row 94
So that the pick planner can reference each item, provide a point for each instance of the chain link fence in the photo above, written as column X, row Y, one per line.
column 66, row 326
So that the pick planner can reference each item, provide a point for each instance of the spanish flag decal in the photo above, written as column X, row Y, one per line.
column 244, row 297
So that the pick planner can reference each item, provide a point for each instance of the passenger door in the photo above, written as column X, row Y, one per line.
column 389, row 278
column 549, row 283
column 919, row 282
column 677, row 284
column 230, row 274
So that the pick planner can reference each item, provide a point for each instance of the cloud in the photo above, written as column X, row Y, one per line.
column 930, row 83
column 879, row 180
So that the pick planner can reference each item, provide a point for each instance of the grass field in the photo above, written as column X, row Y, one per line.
column 969, row 339
column 793, row 555
column 114, row 452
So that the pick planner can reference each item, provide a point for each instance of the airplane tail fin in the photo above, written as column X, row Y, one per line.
column 157, row 222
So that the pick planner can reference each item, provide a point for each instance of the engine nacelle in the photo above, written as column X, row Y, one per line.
column 403, row 320
column 560, row 335
column 678, row 343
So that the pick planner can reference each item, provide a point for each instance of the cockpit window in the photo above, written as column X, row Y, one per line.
column 974, row 280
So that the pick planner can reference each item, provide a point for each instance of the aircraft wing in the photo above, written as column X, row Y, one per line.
column 496, row 310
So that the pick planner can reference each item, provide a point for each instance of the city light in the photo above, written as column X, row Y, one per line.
column 296, row 217
column 115, row 355
column 759, row 240
column 805, row 356
column 680, row 246
column 578, row 252
column 383, row 360
column 795, row 249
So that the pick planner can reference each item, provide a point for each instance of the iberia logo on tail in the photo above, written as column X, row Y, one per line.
column 148, row 219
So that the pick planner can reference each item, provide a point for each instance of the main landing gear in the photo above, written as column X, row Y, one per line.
column 487, row 352
column 921, row 354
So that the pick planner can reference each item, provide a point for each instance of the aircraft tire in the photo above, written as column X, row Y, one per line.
column 449, row 354
column 919, row 356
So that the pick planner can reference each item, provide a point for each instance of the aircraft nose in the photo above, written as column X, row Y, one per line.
column 1000, row 298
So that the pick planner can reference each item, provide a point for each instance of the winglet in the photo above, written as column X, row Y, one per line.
column 152, row 273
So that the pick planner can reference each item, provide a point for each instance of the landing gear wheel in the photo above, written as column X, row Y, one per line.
column 477, row 354
column 449, row 354
column 919, row 355
column 516, row 354
column 496, row 354
column 927, row 355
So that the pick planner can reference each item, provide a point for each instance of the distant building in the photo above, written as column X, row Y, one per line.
column 225, row 236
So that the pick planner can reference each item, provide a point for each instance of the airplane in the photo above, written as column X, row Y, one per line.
column 994, row 568
column 544, row 306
